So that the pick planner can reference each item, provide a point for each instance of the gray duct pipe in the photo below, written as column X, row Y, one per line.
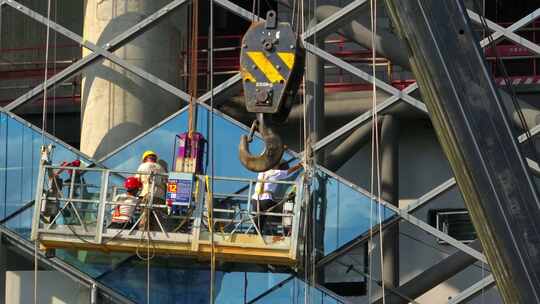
column 434, row 275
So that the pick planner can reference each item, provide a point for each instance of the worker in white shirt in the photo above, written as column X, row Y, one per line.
column 151, row 171
column 122, row 213
column 263, row 197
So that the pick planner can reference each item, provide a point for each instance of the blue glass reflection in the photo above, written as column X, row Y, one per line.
column 162, row 140
column 19, row 162
column 180, row 281
column 349, row 214
column 294, row 291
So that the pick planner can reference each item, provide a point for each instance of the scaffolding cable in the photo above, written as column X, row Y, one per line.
column 43, row 130
column 375, row 183
column 210, row 185
column 306, row 162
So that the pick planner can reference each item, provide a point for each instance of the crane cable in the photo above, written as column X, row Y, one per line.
column 375, row 190
column 305, row 159
column 210, row 185
column 210, row 207
column 43, row 128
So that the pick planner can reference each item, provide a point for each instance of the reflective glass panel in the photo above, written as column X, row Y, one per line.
column 19, row 161
column 178, row 281
column 348, row 212
column 163, row 140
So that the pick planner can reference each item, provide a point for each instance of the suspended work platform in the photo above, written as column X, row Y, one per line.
column 75, row 212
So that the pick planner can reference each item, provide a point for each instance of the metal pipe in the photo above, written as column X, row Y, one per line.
column 389, row 178
column 434, row 276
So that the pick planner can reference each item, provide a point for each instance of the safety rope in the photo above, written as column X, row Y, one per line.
column 55, row 67
column 43, row 130
column 305, row 160
column 210, row 207
column 192, row 90
column 211, row 148
column 375, row 183
column 35, row 271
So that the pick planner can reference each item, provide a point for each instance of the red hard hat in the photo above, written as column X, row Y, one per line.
column 132, row 183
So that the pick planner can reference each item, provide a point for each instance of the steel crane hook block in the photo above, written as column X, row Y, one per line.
column 272, row 66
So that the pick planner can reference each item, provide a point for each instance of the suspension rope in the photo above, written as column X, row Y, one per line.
column 46, row 76
column 210, row 186
column 43, row 130
column 55, row 67
column 306, row 161
column 210, row 201
column 375, row 160
column 35, row 271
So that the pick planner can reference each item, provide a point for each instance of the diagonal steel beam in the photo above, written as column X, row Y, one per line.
column 99, row 50
column 221, row 88
column 506, row 32
column 238, row 10
column 111, row 46
column 512, row 28
column 363, row 75
column 469, row 293
column 533, row 131
column 430, row 195
column 362, row 118
column 335, row 20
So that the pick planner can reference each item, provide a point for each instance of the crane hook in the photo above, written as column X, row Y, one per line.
column 273, row 151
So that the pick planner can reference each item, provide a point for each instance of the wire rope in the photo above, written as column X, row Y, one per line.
column 194, row 70
column 43, row 128
column 375, row 159
column 211, row 143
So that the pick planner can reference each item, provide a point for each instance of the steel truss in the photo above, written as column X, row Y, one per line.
column 326, row 26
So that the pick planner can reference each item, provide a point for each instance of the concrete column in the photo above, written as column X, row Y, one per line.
column 390, row 193
column 118, row 105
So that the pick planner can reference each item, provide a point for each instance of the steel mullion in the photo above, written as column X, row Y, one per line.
column 112, row 45
column 473, row 290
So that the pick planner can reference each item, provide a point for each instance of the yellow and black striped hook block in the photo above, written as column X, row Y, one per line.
column 272, row 66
